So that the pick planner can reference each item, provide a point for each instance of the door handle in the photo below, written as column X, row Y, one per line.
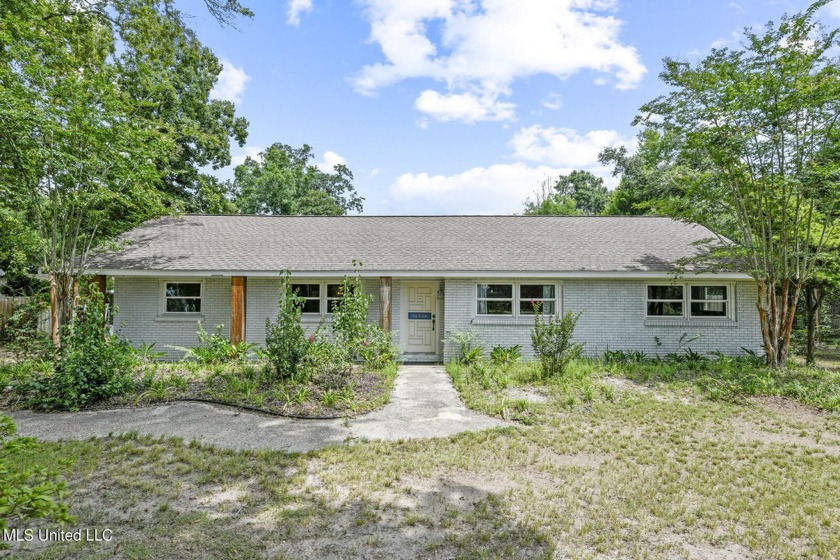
column 433, row 321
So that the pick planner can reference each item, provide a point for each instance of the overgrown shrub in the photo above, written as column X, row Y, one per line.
column 27, row 493
column 378, row 349
column 324, row 362
column 285, row 341
column 349, row 317
column 552, row 340
column 92, row 364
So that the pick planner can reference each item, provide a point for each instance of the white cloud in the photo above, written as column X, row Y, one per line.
column 296, row 8
column 483, row 46
column 329, row 161
column 553, row 101
column 733, row 39
column 564, row 147
column 252, row 152
column 498, row 189
column 737, row 7
column 231, row 83
column 833, row 9
column 467, row 107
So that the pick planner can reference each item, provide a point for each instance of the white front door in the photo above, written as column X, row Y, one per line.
column 420, row 317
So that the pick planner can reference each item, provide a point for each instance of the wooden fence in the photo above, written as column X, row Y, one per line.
column 8, row 304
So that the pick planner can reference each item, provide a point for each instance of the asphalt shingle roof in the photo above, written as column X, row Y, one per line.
column 406, row 244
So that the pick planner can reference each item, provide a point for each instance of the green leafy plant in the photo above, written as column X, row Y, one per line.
column 469, row 346
column 378, row 348
column 92, row 364
column 349, row 316
column 27, row 493
column 506, row 356
column 20, row 332
column 552, row 340
column 147, row 354
column 285, row 342
column 216, row 348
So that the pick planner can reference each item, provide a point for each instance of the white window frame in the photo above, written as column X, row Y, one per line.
column 686, row 301
column 319, row 299
column 327, row 298
column 648, row 300
column 520, row 299
column 515, row 298
column 323, row 298
column 727, row 301
column 164, row 297
column 511, row 299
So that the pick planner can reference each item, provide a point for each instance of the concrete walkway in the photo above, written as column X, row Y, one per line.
column 424, row 404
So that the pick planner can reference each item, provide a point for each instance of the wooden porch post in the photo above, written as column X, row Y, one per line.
column 238, row 289
column 101, row 283
column 385, row 302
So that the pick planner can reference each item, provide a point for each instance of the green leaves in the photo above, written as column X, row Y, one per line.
column 284, row 181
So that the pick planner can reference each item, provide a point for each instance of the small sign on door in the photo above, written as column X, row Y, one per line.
column 419, row 316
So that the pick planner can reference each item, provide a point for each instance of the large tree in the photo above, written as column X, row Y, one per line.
column 759, row 126
column 283, row 180
column 587, row 190
column 97, row 119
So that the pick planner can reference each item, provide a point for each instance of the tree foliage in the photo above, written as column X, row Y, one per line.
column 105, row 121
column 755, row 133
column 284, row 181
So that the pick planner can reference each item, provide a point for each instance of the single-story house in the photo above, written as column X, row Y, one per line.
column 433, row 275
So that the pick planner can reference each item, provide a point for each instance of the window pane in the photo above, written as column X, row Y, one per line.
column 183, row 305
column 495, row 307
column 665, row 292
column 708, row 292
column 536, row 291
column 335, row 290
column 307, row 290
column 526, row 308
column 174, row 289
column 504, row 291
column 665, row 309
column 708, row 309
column 311, row 306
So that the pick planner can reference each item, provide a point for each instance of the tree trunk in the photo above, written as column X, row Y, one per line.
column 54, row 320
column 776, row 311
column 813, row 300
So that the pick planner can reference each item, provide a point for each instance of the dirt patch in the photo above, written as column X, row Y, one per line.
column 526, row 394
column 790, row 408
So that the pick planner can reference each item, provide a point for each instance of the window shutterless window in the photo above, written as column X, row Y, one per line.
column 494, row 299
column 182, row 297
column 544, row 294
column 334, row 294
column 311, row 294
column 709, row 301
column 665, row 301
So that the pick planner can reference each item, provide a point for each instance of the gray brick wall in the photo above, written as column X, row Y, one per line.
column 138, row 317
column 613, row 317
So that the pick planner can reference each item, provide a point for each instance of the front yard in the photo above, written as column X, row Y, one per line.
column 600, row 464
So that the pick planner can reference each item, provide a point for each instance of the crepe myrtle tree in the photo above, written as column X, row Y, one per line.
column 758, row 132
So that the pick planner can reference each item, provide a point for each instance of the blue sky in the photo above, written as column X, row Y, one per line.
column 461, row 106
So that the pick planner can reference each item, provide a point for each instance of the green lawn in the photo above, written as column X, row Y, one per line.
column 602, row 464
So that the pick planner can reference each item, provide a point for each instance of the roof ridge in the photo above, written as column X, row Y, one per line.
column 645, row 216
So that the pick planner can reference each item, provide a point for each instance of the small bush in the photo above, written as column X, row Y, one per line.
column 324, row 362
column 378, row 348
column 285, row 342
column 29, row 493
column 506, row 356
column 552, row 340
column 92, row 363
column 469, row 347
column 212, row 349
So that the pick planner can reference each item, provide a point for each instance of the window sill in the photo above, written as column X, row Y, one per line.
column 179, row 318
column 510, row 321
column 690, row 323
column 315, row 319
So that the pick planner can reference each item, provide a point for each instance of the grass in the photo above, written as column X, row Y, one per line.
column 608, row 465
